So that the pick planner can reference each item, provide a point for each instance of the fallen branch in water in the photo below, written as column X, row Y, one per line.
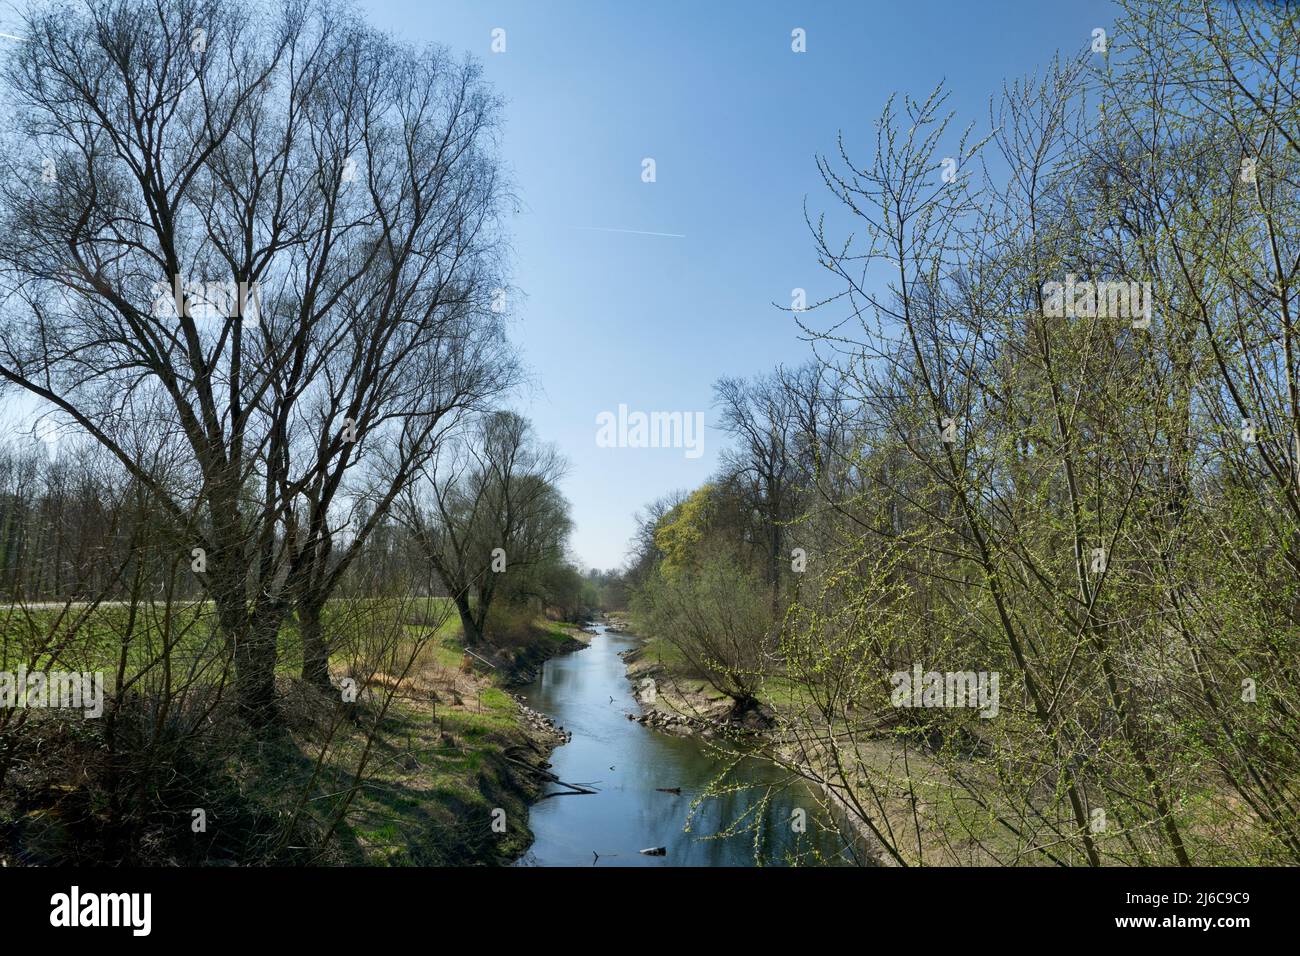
column 573, row 788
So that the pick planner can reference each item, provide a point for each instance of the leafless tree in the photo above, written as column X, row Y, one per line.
column 277, row 230
column 489, row 511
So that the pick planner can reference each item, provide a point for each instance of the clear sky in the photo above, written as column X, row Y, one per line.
column 733, row 119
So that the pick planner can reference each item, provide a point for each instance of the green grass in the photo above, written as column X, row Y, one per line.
column 781, row 693
column 559, row 633
column 662, row 651
column 437, row 770
column 94, row 641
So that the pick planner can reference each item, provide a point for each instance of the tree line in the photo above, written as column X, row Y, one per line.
column 1000, row 458
column 353, row 183
column 255, row 272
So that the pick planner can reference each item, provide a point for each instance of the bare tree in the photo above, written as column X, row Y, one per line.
column 490, row 509
column 279, row 231
column 760, row 415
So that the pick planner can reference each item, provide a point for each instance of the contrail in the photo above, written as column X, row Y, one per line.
column 632, row 232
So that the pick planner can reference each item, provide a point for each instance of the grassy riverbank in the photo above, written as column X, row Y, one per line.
column 667, row 687
column 449, row 765
column 433, row 764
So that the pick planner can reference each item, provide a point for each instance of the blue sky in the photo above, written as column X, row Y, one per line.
column 733, row 119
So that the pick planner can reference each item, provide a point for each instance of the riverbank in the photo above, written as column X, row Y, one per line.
column 672, row 699
column 675, row 700
column 437, row 767
column 629, row 789
column 465, row 759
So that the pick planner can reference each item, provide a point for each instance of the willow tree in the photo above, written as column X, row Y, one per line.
column 267, row 229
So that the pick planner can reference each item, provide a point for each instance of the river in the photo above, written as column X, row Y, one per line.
column 588, row 694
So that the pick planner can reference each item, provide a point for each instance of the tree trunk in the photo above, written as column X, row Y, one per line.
column 467, row 622
column 254, row 644
column 315, row 649
column 255, row 676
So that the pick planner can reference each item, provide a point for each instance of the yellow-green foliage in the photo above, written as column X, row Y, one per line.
column 683, row 529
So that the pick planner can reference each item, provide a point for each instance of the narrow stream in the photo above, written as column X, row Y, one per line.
column 588, row 694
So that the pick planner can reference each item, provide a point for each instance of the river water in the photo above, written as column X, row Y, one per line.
column 588, row 694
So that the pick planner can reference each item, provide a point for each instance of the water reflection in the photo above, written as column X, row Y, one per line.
column 588, row 694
